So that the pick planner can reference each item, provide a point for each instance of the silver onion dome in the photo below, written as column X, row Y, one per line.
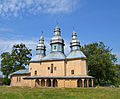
column 74, row 41
column 57, row 36
column 75, row 48
column 40, row 50
column 41, row 43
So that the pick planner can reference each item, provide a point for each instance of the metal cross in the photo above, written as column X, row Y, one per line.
column 41, row 33
column 73, row 28
column 57, row 23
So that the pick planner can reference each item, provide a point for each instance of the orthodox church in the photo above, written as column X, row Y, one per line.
column 55, row 69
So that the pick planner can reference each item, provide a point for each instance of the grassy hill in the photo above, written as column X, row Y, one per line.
column 58, row 93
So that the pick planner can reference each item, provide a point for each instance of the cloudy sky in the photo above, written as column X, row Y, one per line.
column 94, row 21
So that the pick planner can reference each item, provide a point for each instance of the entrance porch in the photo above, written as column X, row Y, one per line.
column 62, row 81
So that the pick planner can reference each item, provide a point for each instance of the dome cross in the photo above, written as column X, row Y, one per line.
column 41, row 33
column 57, row 23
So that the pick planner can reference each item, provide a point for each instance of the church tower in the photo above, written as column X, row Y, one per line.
column 75, row 48
column 57, row 46
column 74, row 44
column 40, row 50
column 57, row 43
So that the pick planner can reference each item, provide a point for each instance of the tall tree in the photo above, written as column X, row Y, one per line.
column 6, row 63
column 6, row 66
column 21, row 56
column 16, row 60
column 101, row 63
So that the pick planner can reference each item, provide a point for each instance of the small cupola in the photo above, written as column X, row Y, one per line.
column 74, row 44
column 41, row 47
column 75, row 48
column 40, row 50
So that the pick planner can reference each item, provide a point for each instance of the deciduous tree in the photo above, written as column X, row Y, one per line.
column 16, row 60
column 101, row 63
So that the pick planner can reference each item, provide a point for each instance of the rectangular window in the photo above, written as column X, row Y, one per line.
column 54, row 47
column 51, row 68
column 54, row 68
column 19, row 79
column 35, row 72
column 72, row 71
column 48, row 68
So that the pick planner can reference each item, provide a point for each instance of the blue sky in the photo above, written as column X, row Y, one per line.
column 94, row 21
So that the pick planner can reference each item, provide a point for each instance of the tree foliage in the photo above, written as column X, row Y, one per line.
column 6, row 63
column 101, row 63
column 21, row 56
column 16, row 60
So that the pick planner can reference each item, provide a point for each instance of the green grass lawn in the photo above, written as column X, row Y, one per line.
column 58, row 93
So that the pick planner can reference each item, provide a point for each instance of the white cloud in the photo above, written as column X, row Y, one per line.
column 8, row 39
column 5, row 30
column 15, row 7
column 6, row 45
